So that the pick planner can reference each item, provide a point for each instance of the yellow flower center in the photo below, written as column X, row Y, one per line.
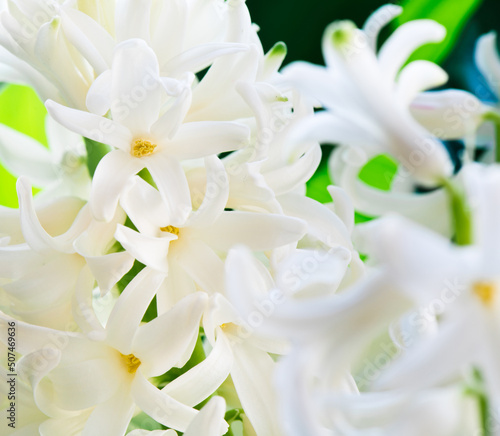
column 170, row 229
column 131, row 362
column 486, row 291
column 142, row 147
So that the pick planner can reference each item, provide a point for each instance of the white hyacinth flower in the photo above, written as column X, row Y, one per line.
column 121, row 358
column 367, row 97
column 145, row 136
column 207, row 423
column 189, row 251
column 68, row 261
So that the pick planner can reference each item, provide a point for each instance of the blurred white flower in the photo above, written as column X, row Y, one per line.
column 367, row 97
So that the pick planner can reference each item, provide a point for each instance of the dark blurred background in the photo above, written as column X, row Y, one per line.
column 300, row 24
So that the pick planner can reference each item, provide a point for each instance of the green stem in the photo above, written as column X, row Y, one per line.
column 95, row 152
column 476, row 389
column 494, row 117
column 461, row 214
column 198, row 356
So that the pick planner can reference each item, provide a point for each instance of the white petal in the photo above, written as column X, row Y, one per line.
column 145, row 208
column 379, row 19
column 419, row 76
column 291, row 177
column 34, row 234
column 405, row 40
column 135, row 86
column 149, row 250
column 109, row 269
column 169, row 123
column 99, row 95
column 95, row 381
column 259, row 231
column 133, row 19
column 202, row 264
column 199, row 57
column 252, row 376
column 322, row 222
column 169, row 176
column 83, row 312
column 204, row 138
column 130, row 308
column 210, row 420
column 437, row 112
column 22, row 155
column 91, row 39
column 488, row 61
column 216, row 194
column 160, row 406
column 342, row 205
column 201, row 381
column 35, row 337
column 110, row 179
column 91, row 126
column 161, row 343
column 120, row 407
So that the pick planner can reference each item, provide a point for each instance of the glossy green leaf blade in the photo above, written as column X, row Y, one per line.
column 21, row 109
column 452, row 14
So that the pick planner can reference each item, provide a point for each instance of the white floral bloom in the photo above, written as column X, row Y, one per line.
column 60, row 47
column 208, row 422
column 32, row 420
column 59, row 171
column 367, row 97
column 251, row 367
column 488, row 61
column 189, row 251
column 144, row 136
column 118, row 359
column 67, row 262
column 39, row 54
column 459, row 285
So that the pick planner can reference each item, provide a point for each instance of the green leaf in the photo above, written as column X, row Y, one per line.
column 317, row 184
column 22, row 110
column 452, row 14
column 379, row 172
column 95, row 152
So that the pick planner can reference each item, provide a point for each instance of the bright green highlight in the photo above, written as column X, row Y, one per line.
column 317, row 184
column 379, row 172
column 20, row 109
column 461, row 214
column 452, row 14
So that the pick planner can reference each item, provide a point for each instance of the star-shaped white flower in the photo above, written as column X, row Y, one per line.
column 144, row 133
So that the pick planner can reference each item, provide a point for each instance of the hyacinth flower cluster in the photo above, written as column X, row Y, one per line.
column 171, row 276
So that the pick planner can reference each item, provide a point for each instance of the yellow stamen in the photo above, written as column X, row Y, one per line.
column 131, row 362
column 142, row 147
column 170, row 229
column 486, row 291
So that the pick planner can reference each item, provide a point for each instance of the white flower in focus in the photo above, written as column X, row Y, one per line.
column 208, row 422
column 251, row 367
column 144, row 135
column 189, row 251
column 367, row 97
column 67, row 262
column 108, row 370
